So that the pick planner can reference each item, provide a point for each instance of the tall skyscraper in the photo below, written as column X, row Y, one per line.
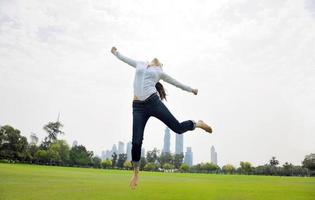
column 188, row 159
column 179, row 143
column 129, row 151
column 121, row 147
column 214, row 159
column 167, row 142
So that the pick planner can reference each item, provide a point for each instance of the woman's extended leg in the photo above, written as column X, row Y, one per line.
column 160, row 111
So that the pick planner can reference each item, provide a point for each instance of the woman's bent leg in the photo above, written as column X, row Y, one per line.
column 161, row 112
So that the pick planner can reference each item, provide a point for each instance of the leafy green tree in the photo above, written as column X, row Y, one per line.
column 53, row 129
column 31, row 150
column 168, row 166
column 97, row 162
column 184, row 168
column 166, row 157
column 287, row 169
column 274, row 162
column 63, row 150
column 121, row 160
column 178, row 160
column 152, row 156
column 41, row 156
column 53, row 156
column 106, row 164
column 309, row 162
column 246, row 167
column 150, row 167
column 209, row 167
column 228, row 169
column 13, row 146
column 80, row 156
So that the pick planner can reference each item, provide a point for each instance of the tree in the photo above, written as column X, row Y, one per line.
column 53, row 130
column 178, row 160
column 287, row 169
column 228, row 169
column 246, row 167
column 150, row 167
column 166, row 157
column 184, row 168
column 96, row 162
column 63, row 150
column 121, row 160
column 152, row 156
column 168, row 166
column 209, row 167
column 106, row 164
column 309, row 162
column 273, row 162
column 13, row 146
column 80, row 156
column 114, row 160
column 31, row 150
column 53, row 156
column 127, row 165
column 41, row 156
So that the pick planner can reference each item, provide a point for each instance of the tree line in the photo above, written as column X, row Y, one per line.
column 15, row 148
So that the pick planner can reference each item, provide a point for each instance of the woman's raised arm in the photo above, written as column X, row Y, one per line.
column 165, row 77
column 123, row 58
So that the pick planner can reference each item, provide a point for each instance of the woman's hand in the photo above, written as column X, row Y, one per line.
column 114, row 50
column 195, row 91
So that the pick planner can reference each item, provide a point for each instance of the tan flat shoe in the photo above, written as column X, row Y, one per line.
column 205, row 126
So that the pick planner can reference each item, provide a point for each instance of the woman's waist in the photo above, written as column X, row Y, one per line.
column 143, row 94
column 145, row 99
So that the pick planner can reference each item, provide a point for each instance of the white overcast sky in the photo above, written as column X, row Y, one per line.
column 252, row 61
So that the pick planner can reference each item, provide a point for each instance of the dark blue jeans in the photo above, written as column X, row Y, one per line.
column 142, row 111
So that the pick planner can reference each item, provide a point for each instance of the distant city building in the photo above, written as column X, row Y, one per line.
column 188, row 159
column 75, row 143
column 33, row 139
column 167, row 142
column 108, row 155
column 121, row 147
column 214, row 159
column 142, row 152
column 129, row 145
column 179, row 142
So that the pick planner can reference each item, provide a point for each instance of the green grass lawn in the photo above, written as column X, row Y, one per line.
column 45, row 182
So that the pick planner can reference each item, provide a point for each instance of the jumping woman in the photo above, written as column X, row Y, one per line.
column 147, row 102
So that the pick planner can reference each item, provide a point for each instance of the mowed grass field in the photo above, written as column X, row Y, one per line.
column 45, row 182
